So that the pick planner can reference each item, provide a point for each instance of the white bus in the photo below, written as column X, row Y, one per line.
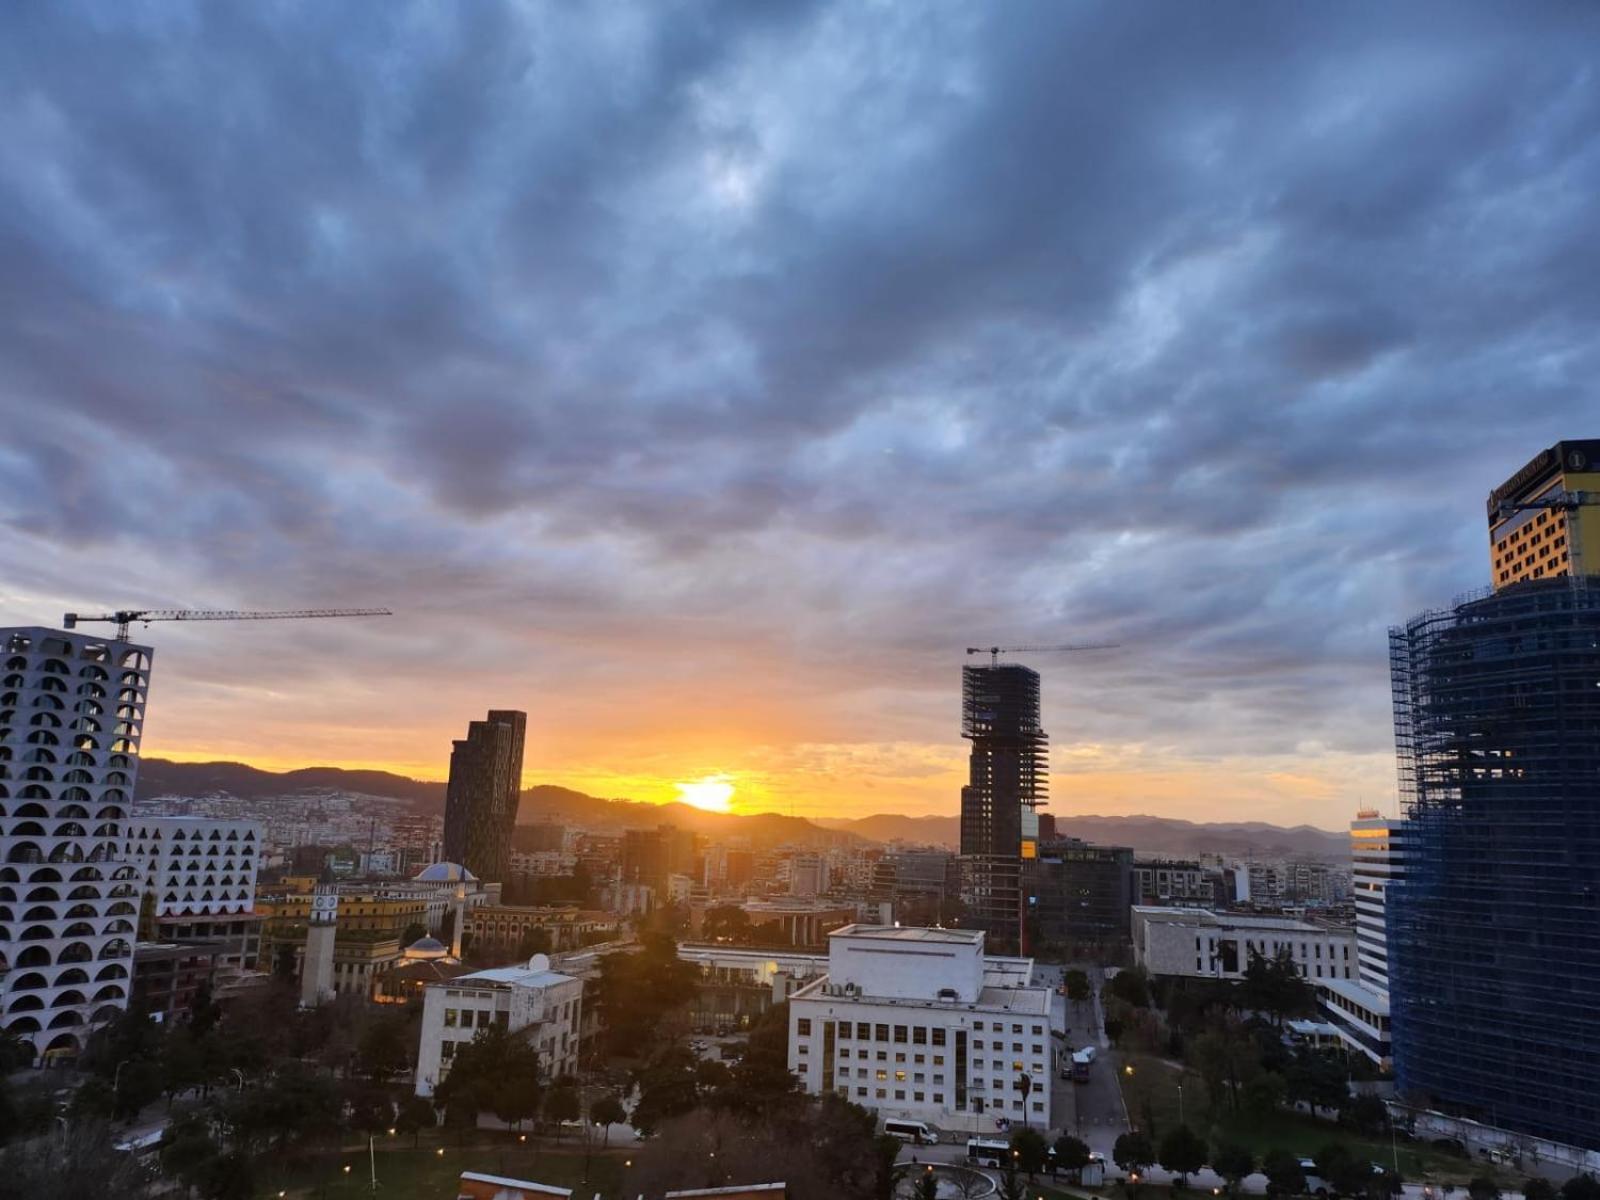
column 914, row 1132
column 987, row 1152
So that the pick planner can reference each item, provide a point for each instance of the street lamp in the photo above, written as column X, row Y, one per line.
column 1128, row 1070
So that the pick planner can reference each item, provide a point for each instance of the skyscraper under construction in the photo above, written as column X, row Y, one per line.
column 1008, row 773
column 480, row 806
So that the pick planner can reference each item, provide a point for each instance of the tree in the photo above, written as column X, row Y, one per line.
column 204, row 1012
column 535, row 941
column 1539, row 1188
column 416, row 1114
column 1581, row 1187
column 187, row 1147
column 384, row 1050
column 1341, row 1170
column 607, row 1111
column 1366, row 1114
column 1114, row 1029
column 229, row 1176
column 727, row 923
column 928, row 1184
column 1482, row 1186
column 1072, row 1154
column 1263, row 1095
column 1284, row 1174
column 69, row 1165
column 1317, row 1078
column 1011, row 1185
column 1233, row 1161
column 1132, row 986
column 1183, row 1152
column 414, row 932
column 93, row 1101
column 1030, row 1150
column 1077, row 984
column 561, row 1104
column 1133, row 1153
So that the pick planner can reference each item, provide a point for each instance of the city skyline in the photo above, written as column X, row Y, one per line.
column 871, row 336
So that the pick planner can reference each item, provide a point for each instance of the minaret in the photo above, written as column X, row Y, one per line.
column 459, row 912
column 316, row 970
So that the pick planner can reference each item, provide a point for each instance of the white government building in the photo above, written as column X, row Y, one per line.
column 1217, row 945
column 71, row 712
column 545, row 1006
column 918, row 1024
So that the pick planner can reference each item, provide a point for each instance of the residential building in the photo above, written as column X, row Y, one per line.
column 1008, row 767
column 480, row 807
column 1203, row 944
column 71, row 711
column 199, row 875
column 1078, row 896
column 913, row 1023
column 1536, row 531
column 1494, row 928
column 532, row 1001
column 1176, row 882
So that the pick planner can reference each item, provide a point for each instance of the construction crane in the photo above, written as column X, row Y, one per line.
column 994, row 652
column 1568, row 502
column 124, row 617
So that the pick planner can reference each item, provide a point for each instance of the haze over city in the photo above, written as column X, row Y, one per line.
column 702, row 381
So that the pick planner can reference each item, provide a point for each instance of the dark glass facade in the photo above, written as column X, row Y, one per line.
column 1494, row 932
column 1079, row 897
column 480, row 807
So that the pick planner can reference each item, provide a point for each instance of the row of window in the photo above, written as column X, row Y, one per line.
column 916, row 1035
column 924, row 1098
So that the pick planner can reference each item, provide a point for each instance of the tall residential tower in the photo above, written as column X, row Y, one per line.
column 1007, row 781
column 481, row 800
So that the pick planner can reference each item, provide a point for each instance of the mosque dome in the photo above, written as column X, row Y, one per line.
column 425, row 948
column 446, row 872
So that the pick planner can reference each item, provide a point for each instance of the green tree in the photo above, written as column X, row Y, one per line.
column 561, row 1104
column 1183, row 1152
column 1077, row 984
column 1072, row 1154
column 416, row 1114
column 187, row 1148
column 928, row 1184
column 414, row 932
column 1539, row 1188
column 535, row 941
column 1030, row 1150
column 1263, row 1095
column 607, row 1111
column 229, row 1176
column 204, row 1012
column 1284, row 1174
column 1317, row 1078
column 1233, row 1161
column 93, row 1101
column 1341, row 1170
column 1482, row 1186
column 1133, row 1153
column 727, row 923
column 1581, row 1187
column 1132, row 986
column 384, row 1050
column 1011, row 1185
column 1366, row 1114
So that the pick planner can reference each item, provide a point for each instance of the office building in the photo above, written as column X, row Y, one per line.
column 1377, row 860
column 71, row 711
column 480, row 807
column 1494, row 929
column 1198, row 943
column 652, row 856
column 542, row 1005
column 199, row 883
column 1537, row 528
column 914, row 1023
column 1008, row 766
column 1186, row 884
column 808, row 875
column 1079, row 896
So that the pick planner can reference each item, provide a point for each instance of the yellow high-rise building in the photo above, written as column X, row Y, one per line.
column 1543, row 521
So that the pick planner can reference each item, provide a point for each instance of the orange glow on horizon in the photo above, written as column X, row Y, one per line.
column 713, row 793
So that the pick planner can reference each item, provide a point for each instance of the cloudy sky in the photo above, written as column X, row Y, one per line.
column 703, row 378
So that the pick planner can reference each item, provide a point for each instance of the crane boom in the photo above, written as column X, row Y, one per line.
column 994, row 652
column 124, row 617
column 1569, row 502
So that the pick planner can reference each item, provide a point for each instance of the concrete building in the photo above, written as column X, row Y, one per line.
column 913, row 1023
column 1008, row 769
column 167, row 976
column 71, row 713
column 543, row 1006
column 1377, row 860
column 199, row 881
column 499, row 929
column 481, row 799
column 1175, row 882
column 796, row 921
column 1078, row 896
column 1217, row 945
column 808, row 875
column 1536, row 531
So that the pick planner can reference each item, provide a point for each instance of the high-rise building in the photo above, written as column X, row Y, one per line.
column 1007, row 780
column 1537, row 530
column 1377, row 860
column 1494, row 929
column 199, row 883
column 71, row 712
column 1079, row 896
column 480, row 807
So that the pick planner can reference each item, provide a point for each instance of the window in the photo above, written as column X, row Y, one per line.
column 1038, row 1031
column 804, row 1049
column 918, row 1057
column 882, row 1075
column 803, row 1026
column 861, row 1092
column 938, row 1037
column 447, row 1051
column 978, row 1025
column 977, row 1043
column 882, row 1034
column 918, row 1078
column 1038, row 1106
column 917, row 1096
column 844, row 1030
column 1016, row 1029
column 938, row 1097
column 919, row 1036
column 900, row 1034
column 1017, row 1065
column 449, row 1018
column 1016, row 1047
column 938, row 1060
column 900, row 1058
column 883, row 1056
column 862, row 1054
column 863, row 1031
column 881, row 1093
column 1038, row 1049
column 899, row 1076
column 938, row 1077
column 899, row 1093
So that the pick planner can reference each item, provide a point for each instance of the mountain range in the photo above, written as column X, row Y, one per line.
column 1148, row 835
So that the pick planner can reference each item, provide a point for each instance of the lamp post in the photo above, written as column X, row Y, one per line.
column 1180, row 1104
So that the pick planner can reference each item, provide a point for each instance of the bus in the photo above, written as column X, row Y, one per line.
column 914, row 1132
column 987, row 1152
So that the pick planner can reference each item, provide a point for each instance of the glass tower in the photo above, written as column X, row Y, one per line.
column 1494, row 930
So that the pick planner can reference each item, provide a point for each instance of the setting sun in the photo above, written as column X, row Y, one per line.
column 712, row 793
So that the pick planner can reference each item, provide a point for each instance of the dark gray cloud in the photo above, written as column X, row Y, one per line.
column 778, row 351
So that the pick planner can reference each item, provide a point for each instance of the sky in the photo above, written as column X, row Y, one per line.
column 703, row 378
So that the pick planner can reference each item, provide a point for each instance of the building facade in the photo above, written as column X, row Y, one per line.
column 199, row 883
column 1079, row 896
column 1175, row 881
column 1377, row 860
column 1008, row 767
column 1198, row 943
column 168, row 976
column 1494, row 930
column 913, row 1023
column 539, row 1004
column 499, row 929
column 1537, row 530
column 71, row 713
column 481, row 799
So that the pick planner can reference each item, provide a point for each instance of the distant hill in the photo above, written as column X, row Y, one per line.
column 163, row 777
column 1147, row 835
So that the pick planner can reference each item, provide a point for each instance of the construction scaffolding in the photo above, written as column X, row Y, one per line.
column 1494, row 933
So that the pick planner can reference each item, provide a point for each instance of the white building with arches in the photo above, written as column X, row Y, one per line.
column 71, row 713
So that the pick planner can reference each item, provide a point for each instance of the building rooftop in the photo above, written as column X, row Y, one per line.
column 897, row 933
column 1029, row 1001
column 1357, row 993
column 736, row 1189
column 524, row 1186
column 444, row 872
column 530, row 976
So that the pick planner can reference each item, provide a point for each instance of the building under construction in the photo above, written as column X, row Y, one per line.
column 1494, row 931
column 1008, row 780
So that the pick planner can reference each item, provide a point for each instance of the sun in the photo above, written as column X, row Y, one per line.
column 712, row 792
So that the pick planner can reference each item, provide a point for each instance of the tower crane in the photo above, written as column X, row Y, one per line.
column 994, row 652
column 124, row 617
